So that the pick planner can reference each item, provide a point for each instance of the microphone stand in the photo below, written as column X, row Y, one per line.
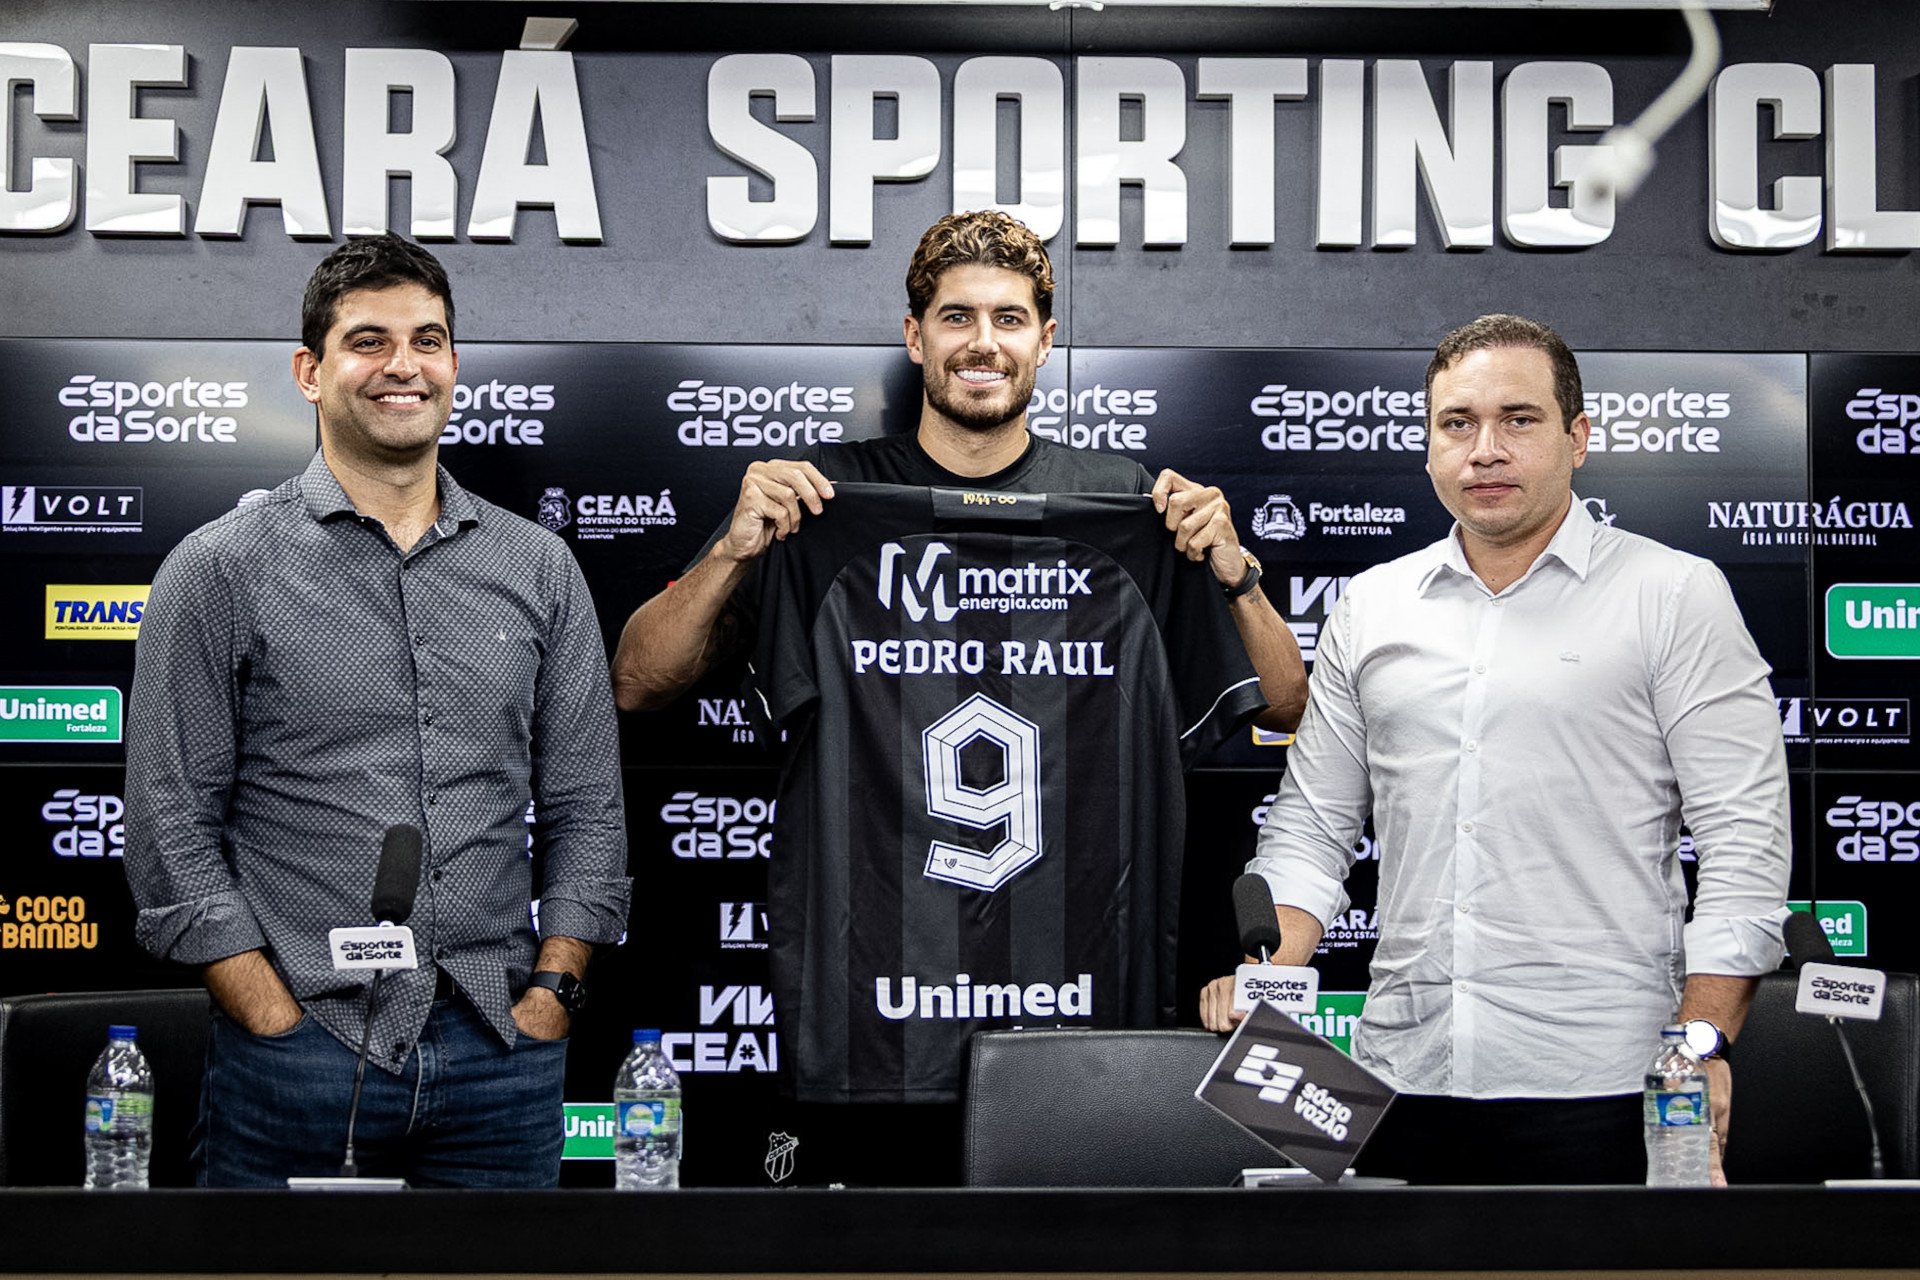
column 348, row 1168
column 1877, row 1167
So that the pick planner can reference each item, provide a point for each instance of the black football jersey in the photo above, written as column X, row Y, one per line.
column 993, row 697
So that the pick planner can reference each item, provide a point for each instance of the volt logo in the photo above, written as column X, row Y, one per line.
column 1263, row 1069
column 925, row 585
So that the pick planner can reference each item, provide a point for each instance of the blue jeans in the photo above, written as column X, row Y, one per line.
column 465, row 1111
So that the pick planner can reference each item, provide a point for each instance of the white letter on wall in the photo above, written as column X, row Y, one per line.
column 731, row 213
column 117, row 139
column 48, row 203
column 979, row 86
column 1252, row 86
column 534, row 83
column 1343, row 149
column 1526, row 214
column 373, row 153
column 265, row 88
column 857, row 158
column 1407, row 133
column 1854, row 219
column 1738, row 220
column 1105, row 162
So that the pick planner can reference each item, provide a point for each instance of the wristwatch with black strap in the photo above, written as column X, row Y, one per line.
column 1247, row 583
column 569, row 990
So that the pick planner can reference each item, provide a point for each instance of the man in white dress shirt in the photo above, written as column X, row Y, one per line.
column 1530, row 709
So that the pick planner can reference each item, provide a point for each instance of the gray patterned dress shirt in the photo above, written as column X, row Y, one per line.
column 301, row 685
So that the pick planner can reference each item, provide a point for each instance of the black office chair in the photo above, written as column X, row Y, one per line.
column 1099, row 1109
column 48, row 1044
column 1796, row 1114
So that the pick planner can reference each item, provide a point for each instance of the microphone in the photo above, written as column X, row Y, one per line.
column 1253, row 912
column 1293, row 989
column 395, row 882
column 397, row 879
column 1834, row 992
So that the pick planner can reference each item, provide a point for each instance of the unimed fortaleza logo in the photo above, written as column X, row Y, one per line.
column 1873, row 620
column 1844, row 923
column 39, row 923
column 72, row 508
column 94, row 613
column 85, row 825
column 60, row 713
column 120, row 411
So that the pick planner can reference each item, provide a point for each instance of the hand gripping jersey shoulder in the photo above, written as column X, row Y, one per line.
column 993, row 697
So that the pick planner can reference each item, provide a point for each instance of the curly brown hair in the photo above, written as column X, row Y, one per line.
column 983, row 237
column 1493, row 331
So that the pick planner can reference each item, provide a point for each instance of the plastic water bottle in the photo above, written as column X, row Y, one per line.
column 646, row 1100
column 1678, row 1120
column 119, row 1113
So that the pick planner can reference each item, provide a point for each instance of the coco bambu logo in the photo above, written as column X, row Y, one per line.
column 1873, row 620
column 60, row 713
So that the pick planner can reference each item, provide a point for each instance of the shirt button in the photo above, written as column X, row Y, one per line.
column 1463, row 907
column 1462, row 987
column 1472, row 747
column 439, row 874
column 1479, row 668
column 426, row 717
column 420, row 640
column 433, row 798
column 399, row 1050
column 1467, row 827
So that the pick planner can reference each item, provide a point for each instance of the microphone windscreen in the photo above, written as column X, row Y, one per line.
column 1253, row 913
column 1807, row 940
column 398, row 877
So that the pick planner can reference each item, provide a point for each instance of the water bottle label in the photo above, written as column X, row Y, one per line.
column 99, row 1114
column 644, row 1119
column 1679, row 1110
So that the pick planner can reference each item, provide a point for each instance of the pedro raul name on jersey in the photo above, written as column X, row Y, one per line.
column 994, row 696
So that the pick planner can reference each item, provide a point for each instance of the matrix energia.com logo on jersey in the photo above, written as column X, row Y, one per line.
column 935, row 584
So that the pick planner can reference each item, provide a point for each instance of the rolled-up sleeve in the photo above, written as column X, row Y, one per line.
column 580, row 826
column 180, row 765
column 1722, row 729
column 1306, row 844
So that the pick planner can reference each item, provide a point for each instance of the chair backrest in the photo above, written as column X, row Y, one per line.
column 47, row 1046
column 1099, row 1109
column 1796, row 1114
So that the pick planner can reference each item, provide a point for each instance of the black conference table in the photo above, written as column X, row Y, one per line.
column 1770, row 1231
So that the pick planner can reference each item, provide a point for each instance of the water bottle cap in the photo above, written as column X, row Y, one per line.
column 120, row 1031
column 648, row 1036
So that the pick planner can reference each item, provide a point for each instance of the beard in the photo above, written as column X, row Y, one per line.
column 968, row 409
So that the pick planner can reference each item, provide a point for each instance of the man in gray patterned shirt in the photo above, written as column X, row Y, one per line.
column 371, row 645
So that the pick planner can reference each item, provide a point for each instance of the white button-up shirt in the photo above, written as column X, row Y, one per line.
column 1528, row 758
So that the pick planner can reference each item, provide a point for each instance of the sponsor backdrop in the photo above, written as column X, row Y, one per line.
column 1748, row 406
